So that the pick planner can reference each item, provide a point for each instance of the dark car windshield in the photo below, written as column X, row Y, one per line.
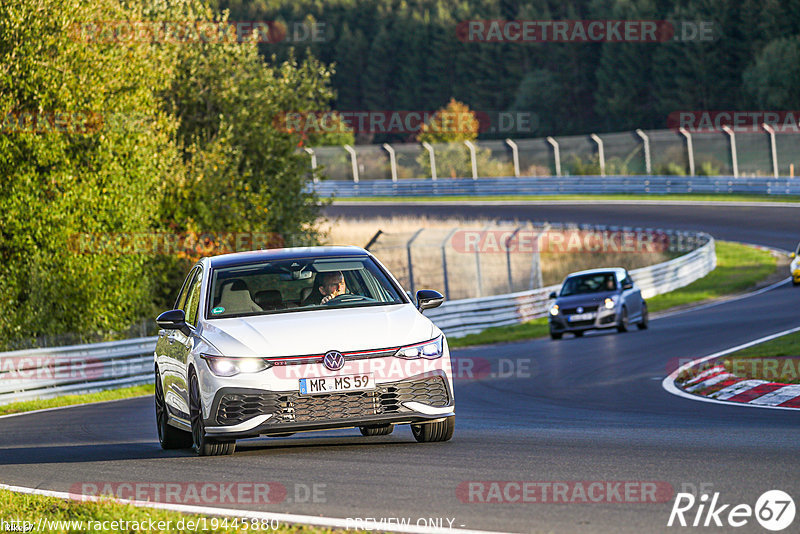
column 298, row 285
column 589, row 283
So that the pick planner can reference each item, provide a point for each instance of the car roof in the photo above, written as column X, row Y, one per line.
column 616, row 270
column 276, row 254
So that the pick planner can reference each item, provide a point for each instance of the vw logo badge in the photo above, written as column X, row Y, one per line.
column 580, row 309
column 333, row 360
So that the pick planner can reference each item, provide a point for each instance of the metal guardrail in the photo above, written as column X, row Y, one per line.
column 51, row 372
column 570, row 185
column 461, row 317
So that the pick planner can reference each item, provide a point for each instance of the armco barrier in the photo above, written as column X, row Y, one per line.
column 44, row 373
column 564, row 185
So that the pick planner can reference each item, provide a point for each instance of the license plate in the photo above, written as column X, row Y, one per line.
column 581, row 317
column 336, row 384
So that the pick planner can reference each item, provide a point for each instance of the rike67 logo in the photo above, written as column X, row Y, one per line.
column 774, row 510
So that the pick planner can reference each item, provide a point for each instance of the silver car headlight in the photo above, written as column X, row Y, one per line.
column 610, row 302
column 223, row 366
column 554, row 310
column 429, row 350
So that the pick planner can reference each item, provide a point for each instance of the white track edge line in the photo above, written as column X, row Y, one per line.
column 669, row 382
column 332, row 522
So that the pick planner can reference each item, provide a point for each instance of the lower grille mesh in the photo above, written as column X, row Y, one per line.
column 290, row 407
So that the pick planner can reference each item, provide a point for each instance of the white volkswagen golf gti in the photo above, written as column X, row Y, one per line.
column 273, row 342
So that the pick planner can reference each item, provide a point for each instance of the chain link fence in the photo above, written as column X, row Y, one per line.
column 653, row 152
column 500, row 258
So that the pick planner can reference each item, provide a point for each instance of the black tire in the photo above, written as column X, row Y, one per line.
column 382, row 430
column 578, row 333
column 645, row 322
column 168, row 436
column 430, row 432
column 202, row 444
column 622, row 325
column 556, row 335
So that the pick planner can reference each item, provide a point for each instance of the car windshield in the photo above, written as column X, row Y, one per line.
column 589, row 283
column 298, row 285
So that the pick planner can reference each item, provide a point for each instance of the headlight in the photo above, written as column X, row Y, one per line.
column 222, row 366
column 429, row 350
column 610, row 302
column 554, row 309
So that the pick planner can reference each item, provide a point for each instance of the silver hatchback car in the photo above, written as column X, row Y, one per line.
column 595, row 299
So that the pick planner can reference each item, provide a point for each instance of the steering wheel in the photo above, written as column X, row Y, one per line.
column 347, row 297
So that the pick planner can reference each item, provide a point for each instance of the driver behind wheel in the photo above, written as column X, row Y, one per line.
column 327, row 287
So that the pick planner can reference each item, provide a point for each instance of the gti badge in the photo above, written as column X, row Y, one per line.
column 580, row 309
column 333, row 360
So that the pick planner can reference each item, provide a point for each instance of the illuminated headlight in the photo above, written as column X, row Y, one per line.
column 610, row 302
column 222, row 366
column 554, row 309
column 429, row 350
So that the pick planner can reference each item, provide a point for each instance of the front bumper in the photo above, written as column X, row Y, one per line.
column 248, row 412
column 603, row 318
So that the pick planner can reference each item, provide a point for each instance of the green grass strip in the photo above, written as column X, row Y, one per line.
column 98, row 517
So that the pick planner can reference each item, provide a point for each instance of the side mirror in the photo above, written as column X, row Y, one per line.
column 173, row 320
column 627, row 285
column 428, row 298
column 553, row 295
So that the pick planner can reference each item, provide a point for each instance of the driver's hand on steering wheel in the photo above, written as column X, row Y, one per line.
column 332, row 296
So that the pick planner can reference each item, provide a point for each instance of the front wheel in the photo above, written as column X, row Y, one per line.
column 439, row 431
column 622, row 325
column 202, row 444
column 645, row 322
column 556, row 335
column 380, row 430
column 168, row 436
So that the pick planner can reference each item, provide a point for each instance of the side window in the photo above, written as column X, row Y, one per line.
column 180, row 304
column 193, row 299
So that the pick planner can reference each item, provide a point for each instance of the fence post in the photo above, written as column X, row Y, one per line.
column 646, row 144
column 600, row 154
column 536, row 266
column 313, row 162
column 392, row 160
column 772, row 147
column 734, row 160
column 432, row 157
column 443, row 246
column 689, row 149
column 473, row 158
column 410, row 263
column 508, row 259
column 556, row 155
column 353, row 161
column 478, row 262
column 514, row 156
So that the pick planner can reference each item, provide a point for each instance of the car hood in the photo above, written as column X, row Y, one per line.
column 318, row 331
column 588, row 299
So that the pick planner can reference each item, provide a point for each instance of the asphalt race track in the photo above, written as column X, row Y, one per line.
column 588, row 409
